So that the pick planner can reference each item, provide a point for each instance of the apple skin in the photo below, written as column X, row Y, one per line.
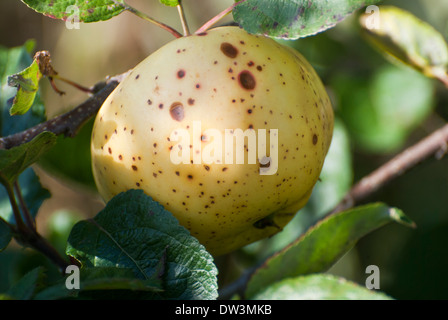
column 197, row 87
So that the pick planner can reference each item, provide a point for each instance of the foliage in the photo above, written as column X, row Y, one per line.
column 135, row 248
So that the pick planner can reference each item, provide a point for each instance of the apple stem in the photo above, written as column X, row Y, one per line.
column 183, row 19
column 218, row 17
column 144, row 16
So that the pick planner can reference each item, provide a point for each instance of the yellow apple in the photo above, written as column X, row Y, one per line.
column 227, row 130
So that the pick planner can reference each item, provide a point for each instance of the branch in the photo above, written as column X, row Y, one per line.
column 436, row 144
column 68, row 123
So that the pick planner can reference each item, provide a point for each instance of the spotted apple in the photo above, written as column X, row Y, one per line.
column 227, row 130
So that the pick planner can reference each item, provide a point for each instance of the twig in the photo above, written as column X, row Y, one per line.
column 68, row 123
column 144, row 16
column 183, row 19
column 218, row 17
column 26, row 213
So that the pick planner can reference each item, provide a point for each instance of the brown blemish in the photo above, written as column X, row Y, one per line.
column 177, row 111
column 180, row 74
column 134, row 168
column 314, row 139
column 191, row 101
column 246, row 80
column 229, row 50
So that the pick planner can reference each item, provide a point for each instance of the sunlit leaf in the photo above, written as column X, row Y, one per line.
column 77, row 10
column 408, row 39
column 170, row 3
column 27, row 84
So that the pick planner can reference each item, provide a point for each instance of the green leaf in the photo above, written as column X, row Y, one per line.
column 322, row 245
column 170, row 3
column 13, row 61
column 15, row 160
column 27, row 285
column 382, row 111
column 318, row 287
column 27, row 84
column 401, row 35
column 5, row 234
column 135, row 232
column 79, row 10
column 292, row 19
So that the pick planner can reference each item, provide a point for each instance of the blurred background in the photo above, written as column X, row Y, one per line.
column 381, row 109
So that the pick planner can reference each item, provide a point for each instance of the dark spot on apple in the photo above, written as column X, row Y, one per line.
column 247, row 80
column 180, row 74
column 177, row 111
column 229, row 50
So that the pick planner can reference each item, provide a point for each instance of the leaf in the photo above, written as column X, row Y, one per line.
column 318, row 287
column 322, row 245
column 14, row 60
column 401, row 35
column 135, row 232
column 15, row 160
column 170, row 3
column 79, row 10
column 27, row 83
column 27, row 285
column 382, row 111
column 5, row 234
column 293, row 19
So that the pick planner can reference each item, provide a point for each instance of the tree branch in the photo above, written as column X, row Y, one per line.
column 68, row 123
